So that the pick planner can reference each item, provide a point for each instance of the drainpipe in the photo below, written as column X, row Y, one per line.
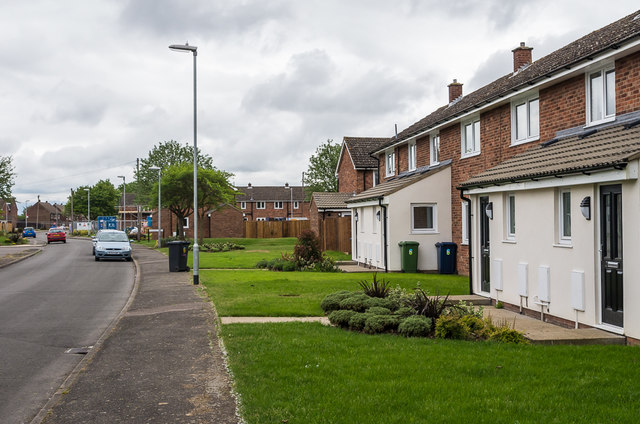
column 384, row 231
column 466, row 199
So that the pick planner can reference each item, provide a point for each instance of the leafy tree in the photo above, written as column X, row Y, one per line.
column 214, row 190
column 163, row 155
column 6, row 177
column 104, row 200
column 321, row 174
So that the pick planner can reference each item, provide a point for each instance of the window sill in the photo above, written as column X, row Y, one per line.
column 434, row 163
column 525, row 141
column 600, row 122
column 508, row 241
column 464, row 243
column 424, row 233
column 469, row 155
column 563, row 245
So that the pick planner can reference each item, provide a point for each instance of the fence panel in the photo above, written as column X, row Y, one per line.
column 335, row 234
column 274, row 229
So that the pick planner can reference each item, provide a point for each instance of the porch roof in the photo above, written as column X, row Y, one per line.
column 585, row 152
column 331, row 200
column 398, row 183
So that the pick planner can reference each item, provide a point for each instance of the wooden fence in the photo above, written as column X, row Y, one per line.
column 274, row 229
column 335, row 234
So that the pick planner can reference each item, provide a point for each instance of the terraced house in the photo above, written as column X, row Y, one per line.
column 543, row 197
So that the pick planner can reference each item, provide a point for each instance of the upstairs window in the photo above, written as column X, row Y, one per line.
column 296, row 204
column 434, row 150
column 601, row 95
column 261, row 205
column 243, row 205
column 412, row 156
column 390, row 163
column 471, row 138
column 277, row 205
column 375, row 178
column 525, row 120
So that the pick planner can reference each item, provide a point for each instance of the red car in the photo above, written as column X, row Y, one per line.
column 56, row 234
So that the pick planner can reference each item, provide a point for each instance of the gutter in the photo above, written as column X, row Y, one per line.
column 468, row 200
column 384, row 231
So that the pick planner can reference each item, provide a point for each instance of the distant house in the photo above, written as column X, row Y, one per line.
column 43, row 215
column 8, row 215
column 272, row 203
column 357, row 170
column 224, row 222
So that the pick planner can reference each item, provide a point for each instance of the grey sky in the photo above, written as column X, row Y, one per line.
column 87, row 87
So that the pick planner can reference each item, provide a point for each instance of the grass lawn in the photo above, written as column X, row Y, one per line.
column 308, row 373
column 268, row 293
column 255, row 250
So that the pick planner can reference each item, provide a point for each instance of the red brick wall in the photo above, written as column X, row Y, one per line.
column 347, row 175
column 402, row 159
column 226, row 222
column 562, row 106
column 628, row 84
column 422, row 152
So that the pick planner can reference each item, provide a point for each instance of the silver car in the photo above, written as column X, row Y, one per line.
column 112, row 244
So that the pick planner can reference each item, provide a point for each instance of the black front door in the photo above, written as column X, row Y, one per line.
column 611, row 256
column 485, row 276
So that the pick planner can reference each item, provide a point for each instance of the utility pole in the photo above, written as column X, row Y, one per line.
column 71, row 229
column 138, row 196
column 38, row 213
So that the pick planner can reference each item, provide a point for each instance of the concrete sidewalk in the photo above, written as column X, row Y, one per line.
column 161, row 363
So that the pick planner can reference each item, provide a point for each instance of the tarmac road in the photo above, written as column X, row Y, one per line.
column 50, row 302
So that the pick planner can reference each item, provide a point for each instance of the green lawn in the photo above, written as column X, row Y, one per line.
column 308, row 373
column 268, row 293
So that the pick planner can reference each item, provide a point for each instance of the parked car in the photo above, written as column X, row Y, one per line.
column 112, row 244
column 29, row 232
column 56, row 234
column 94, row 240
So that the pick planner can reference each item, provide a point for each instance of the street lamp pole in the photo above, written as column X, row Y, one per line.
column 88, row 205
column 124, row 203
column 196, row 249
column 71, row 229
column 157, row 168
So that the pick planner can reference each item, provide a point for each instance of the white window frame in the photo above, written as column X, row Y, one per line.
column 243, row 205
column 375, row 178
column 261, row 219
column 296, row 204
column 532, row 131
column 510, row 215
column 261, row 205
column 434, row 215
column 374, row 221
column 465, row 222
column 434, row 149
column 390, row 163
column 412, row 152
column 278, row 205
column 602, row 72
column 185, row 223
column 562, row 237
column 474, row 150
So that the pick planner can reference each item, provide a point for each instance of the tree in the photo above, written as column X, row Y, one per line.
column 321, row 174
column 214, row 190
column 6, row 177
column 104, row 200
column 163, row 155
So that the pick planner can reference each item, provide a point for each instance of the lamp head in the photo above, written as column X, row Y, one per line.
column 184, row 48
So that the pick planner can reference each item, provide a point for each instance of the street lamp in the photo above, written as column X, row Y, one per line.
column 26, row 212
column 124, row 203
column 157, row 168
column 186, row 48
column 88, row 204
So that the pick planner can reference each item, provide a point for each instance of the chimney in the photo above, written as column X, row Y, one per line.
column 521, row 56
column 249, row 185
column 455, row 90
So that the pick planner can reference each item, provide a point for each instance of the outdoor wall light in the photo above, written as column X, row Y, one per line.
column 355, row 217
column 489, row 210
column 378, row 215
column 585, row 207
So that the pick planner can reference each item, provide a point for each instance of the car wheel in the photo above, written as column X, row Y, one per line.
column 97, row 259
column 129, row 259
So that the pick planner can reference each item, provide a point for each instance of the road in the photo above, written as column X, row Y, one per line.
column 58, row 299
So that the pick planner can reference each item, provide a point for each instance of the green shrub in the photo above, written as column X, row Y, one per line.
column 451, row 327
column 307, row 250
column 289, row 266
column 429, row 306
column 499, row 304
column 325, row 264
column 378, row 310
column 14, row 237
column 262, row 264
column 356, row 302
column 381, row 324
column 381, row 302
column 331, row 302
column 376, row 288
column 358, row 320
column 415, row 326
column 478, row 327
column 341, row 318
column 463, row 308
column 276, row 264
column 508, row 335
column 405, row 312
column 399, row 296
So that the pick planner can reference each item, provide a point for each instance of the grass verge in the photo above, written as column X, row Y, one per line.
column 268, row 293
column 308, row 373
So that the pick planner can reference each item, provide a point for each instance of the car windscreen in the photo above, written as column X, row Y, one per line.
column 28, row 228
column 112, row 237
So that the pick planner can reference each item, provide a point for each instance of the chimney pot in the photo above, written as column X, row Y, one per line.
column 455, row 90
column 521, row 56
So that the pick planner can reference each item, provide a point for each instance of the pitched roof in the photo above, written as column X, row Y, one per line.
column 395, row 184
column 583, row 49
column 269, row 193
column 610, row 147
column 359, row 149
column 331, row 200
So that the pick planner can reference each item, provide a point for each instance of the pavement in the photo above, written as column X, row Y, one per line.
column 160, row 363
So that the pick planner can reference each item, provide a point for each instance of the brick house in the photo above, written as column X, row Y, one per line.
column 272, row 203
column 545, row 143
column 8, row 215
column 327, row 205
column 357, row 170
column 43, row 215
column 225, row 222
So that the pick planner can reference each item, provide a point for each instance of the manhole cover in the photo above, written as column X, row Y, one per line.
column 78, row 350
